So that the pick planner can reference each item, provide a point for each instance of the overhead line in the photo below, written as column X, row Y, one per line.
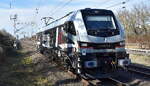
column 55, row 7
column 104, row 2
column 117, row 4
column 61, row 7
column 11, row 4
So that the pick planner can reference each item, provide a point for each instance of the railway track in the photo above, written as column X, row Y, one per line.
column 111, row 81
column 100, row 82
column 103, row 82
column 139, row 70
column 117, row 82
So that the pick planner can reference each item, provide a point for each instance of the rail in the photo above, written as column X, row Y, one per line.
column 138, row 51
column 99, row 82
column 117, row 82
column 139, row 70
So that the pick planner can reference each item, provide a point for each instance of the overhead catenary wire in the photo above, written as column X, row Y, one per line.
column 57, row 6
column 103, row 3
column 60, row 7
column 114, row 5
column 117, row 4
column 55, row 9
column 11, row 4
column 39, row 4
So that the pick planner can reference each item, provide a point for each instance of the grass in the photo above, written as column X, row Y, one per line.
column 26, row 61
column 19, row 71
column 133, row 47
column 138, row 45
column 18, row 68
column 140, row 59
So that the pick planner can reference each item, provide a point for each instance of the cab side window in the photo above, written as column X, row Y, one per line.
column 69, row 28
column 52, row 36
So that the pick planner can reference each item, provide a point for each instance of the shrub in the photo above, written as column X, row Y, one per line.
column 6, row 44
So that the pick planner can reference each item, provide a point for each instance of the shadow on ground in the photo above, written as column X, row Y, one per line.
column 66, row 81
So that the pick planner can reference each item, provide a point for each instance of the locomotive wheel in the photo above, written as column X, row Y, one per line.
column 41, row 51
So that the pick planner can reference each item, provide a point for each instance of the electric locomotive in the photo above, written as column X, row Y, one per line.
column 90, row 42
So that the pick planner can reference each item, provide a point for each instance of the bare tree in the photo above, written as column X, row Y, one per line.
column 136, row 24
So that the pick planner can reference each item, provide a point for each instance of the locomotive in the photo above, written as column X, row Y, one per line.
column 90, row 42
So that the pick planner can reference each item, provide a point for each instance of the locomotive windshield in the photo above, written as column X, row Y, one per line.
column 99, row 22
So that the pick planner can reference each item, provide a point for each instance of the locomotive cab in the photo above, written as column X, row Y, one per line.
column 101, row 43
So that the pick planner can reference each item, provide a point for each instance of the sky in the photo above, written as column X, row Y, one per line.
column 29, row 19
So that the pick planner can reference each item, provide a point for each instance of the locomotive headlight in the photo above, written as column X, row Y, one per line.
column 84, row 44
column 122, row 43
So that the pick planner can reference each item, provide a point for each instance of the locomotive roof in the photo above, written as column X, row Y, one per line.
column 70, row 17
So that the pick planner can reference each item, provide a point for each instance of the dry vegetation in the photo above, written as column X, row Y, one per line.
column 140, row 59
column 137, row 24
column 6, row 44
column 30, row 68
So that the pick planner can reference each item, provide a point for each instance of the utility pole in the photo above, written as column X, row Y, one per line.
column 14, row 19
column 46, row 20
column 123, row 3
column 37, row 10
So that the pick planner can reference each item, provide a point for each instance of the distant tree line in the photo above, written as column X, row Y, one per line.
column 137, row 24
